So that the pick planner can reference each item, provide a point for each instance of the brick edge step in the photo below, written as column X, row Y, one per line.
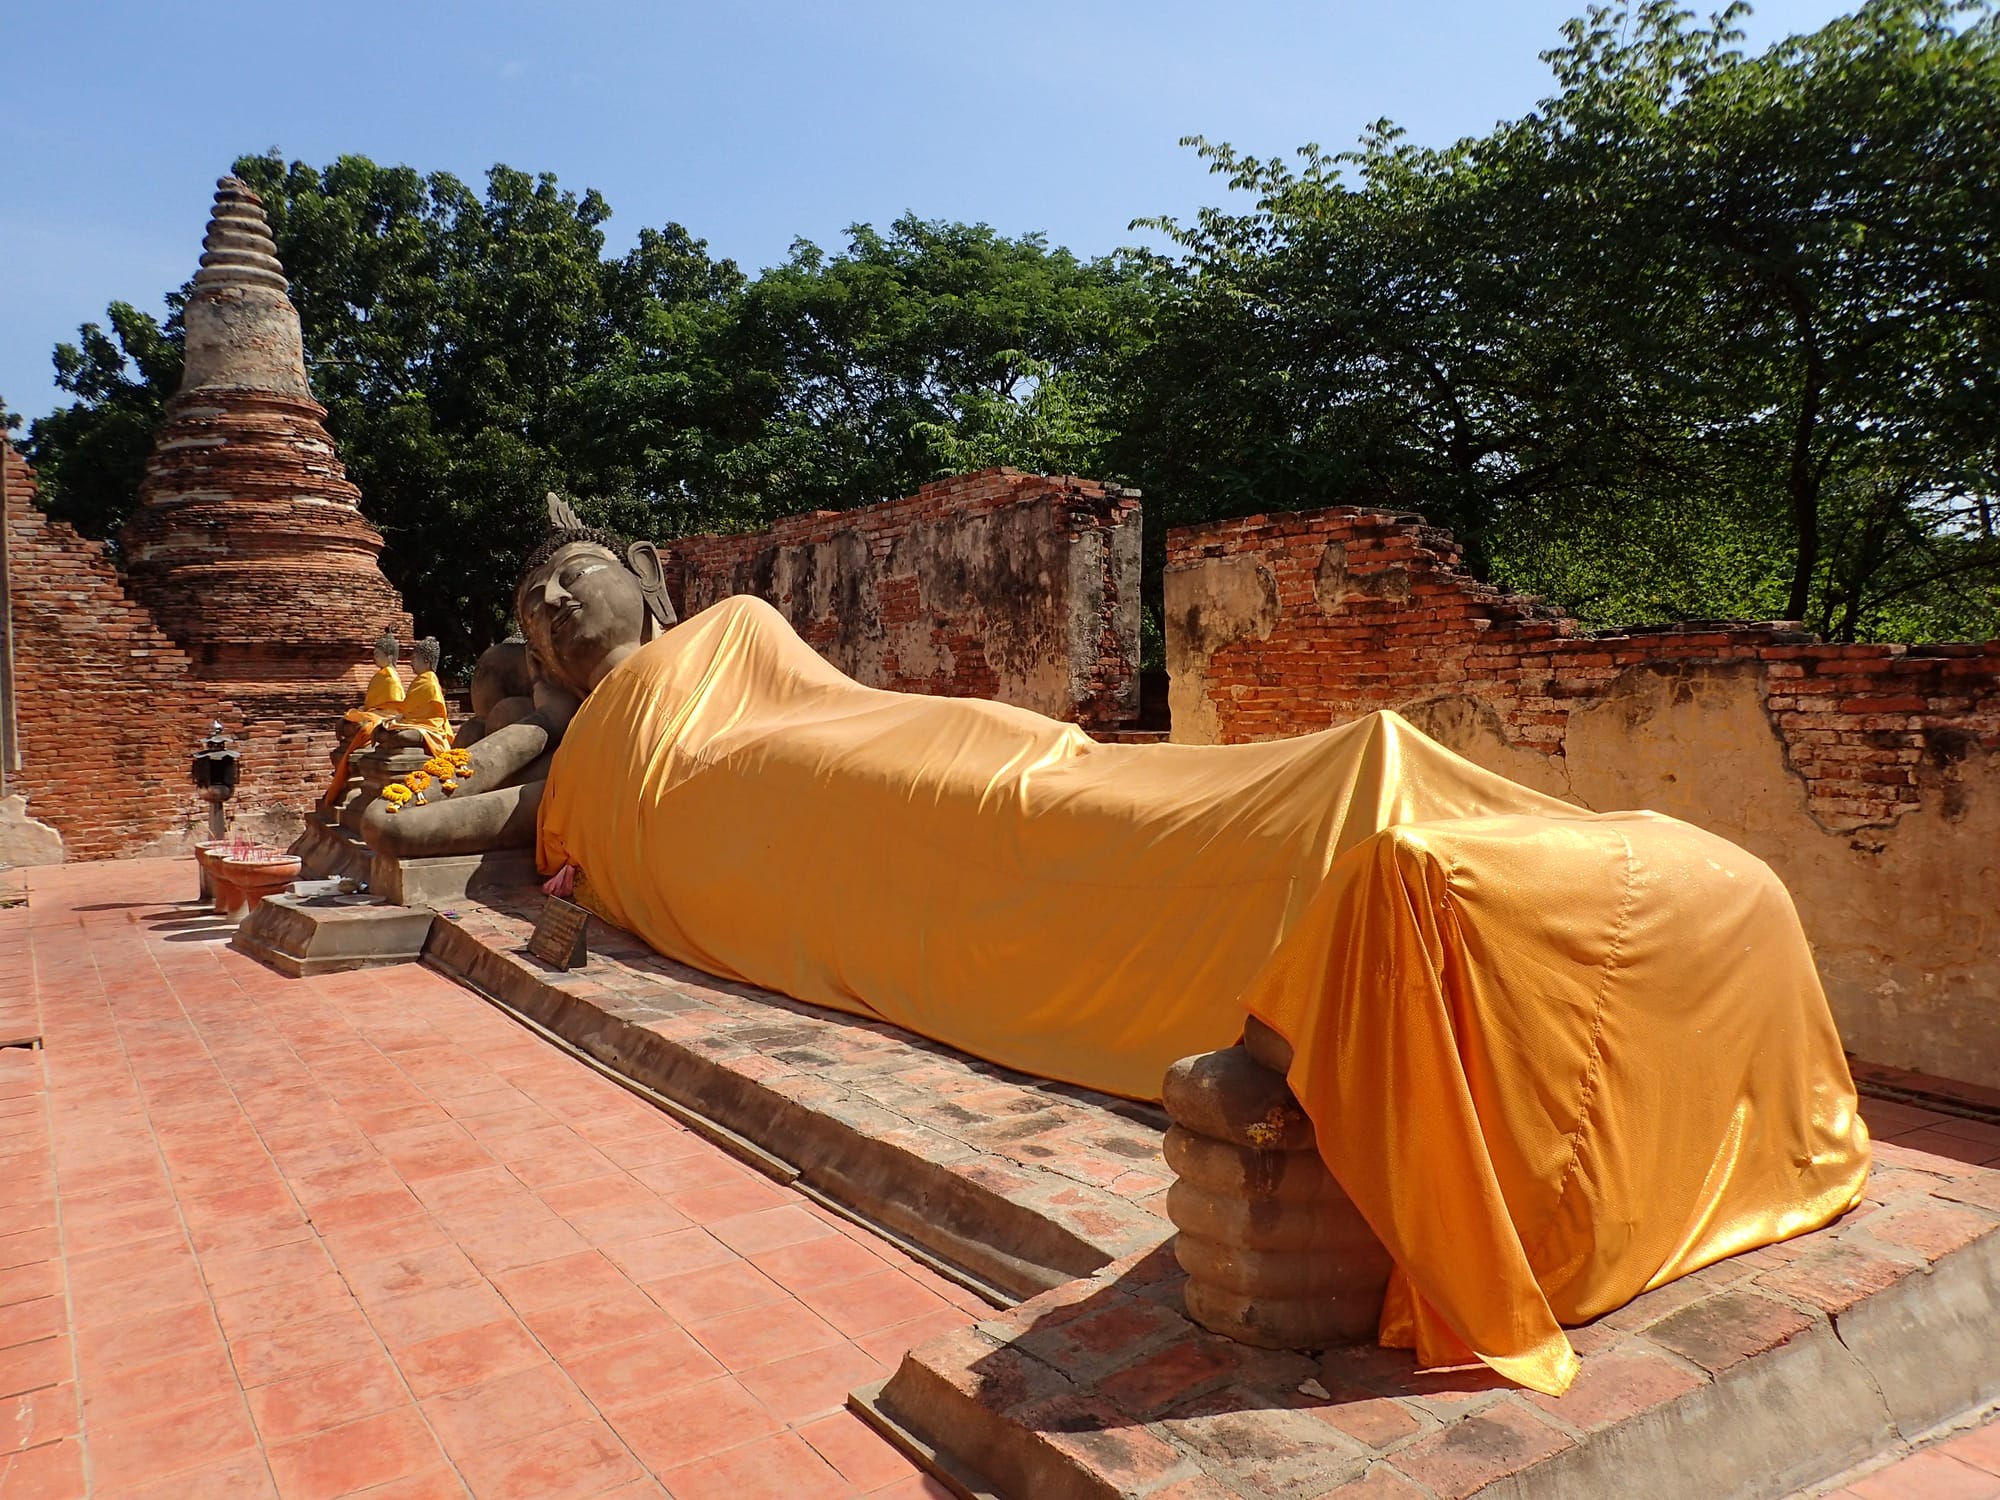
column 938, row 1207
column 1739, row 1389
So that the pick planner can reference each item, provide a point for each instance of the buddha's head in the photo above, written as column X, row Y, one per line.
column 587, row 598
column 387, row 649
column 424, row 654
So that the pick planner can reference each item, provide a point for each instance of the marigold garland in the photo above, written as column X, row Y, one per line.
column 446, row 770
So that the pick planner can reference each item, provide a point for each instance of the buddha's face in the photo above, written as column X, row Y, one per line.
column 577, row 609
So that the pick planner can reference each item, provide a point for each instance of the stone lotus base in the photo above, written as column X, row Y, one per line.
column 1275, row 1253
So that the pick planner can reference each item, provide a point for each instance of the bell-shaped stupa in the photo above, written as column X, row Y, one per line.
column 249, row 546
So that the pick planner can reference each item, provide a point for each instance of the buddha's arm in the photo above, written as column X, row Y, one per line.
column 487, row 812
column 499, row 716
column 465, row 824
column 499, row 757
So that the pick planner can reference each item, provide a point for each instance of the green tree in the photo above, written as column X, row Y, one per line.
column 455, row 339
column 1704, row 334
column 923, row 352
column 90, row 455
column 475, row 351
column 1822, row 206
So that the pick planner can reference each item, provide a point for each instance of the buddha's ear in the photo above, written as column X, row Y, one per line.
column 643, row 558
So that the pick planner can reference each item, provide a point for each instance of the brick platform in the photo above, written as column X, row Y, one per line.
column 1770, row 1372
column 1753, row 1377
column 1023, row 1183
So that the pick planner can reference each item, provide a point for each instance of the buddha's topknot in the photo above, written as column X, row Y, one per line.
column 610, row 541
column 565, row 528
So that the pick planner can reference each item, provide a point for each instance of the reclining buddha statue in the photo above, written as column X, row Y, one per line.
column 1556, row 1058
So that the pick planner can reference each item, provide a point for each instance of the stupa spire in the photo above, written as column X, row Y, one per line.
column 249, row 546
column 242, row 330
column 239, row 250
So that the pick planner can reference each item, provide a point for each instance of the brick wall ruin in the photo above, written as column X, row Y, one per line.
column 1020, row 587
column 1868, row 775
column 109, row 709
column 106, row 710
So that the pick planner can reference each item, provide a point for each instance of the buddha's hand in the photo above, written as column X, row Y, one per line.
column 561, row 884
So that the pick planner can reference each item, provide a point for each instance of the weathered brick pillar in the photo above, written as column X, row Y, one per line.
column 1276, row 1254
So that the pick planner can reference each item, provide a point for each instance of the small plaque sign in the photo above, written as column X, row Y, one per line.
column 559, row 935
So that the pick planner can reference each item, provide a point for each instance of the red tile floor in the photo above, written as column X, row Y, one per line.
column 1964, row 1465
column 363, row 1235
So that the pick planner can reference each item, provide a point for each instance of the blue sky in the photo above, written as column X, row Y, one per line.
column 752, row 124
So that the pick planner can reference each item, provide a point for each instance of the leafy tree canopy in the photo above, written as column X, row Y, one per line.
column 1705, row 334
column 475, row 351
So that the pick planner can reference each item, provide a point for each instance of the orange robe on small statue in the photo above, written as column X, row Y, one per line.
column 382, row 702
column 385, row 696
column 425, row 711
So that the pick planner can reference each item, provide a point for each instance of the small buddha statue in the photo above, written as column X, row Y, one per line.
column 385, row 688
column 423, row 708
column 382, row 701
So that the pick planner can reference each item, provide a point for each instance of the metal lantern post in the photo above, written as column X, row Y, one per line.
column 214, row 771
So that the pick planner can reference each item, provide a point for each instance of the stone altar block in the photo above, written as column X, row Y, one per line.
column 444, row 879
column 329, row 849
column 303, row 935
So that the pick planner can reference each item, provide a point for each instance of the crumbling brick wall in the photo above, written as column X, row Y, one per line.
column 1000, row 584
column 286, row 731
column 106, row 709
column 1867, row 775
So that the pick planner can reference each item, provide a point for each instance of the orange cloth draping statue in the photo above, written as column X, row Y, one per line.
column 1555, row 1057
